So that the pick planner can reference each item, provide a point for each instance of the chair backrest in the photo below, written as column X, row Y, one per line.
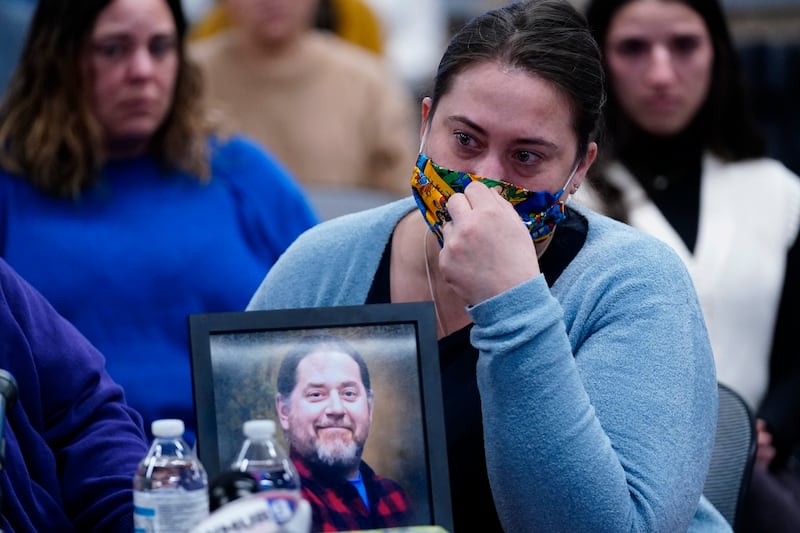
column 733, row 455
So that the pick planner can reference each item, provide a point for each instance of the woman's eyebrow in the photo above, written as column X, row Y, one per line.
column 464, row 120
column 538, row 141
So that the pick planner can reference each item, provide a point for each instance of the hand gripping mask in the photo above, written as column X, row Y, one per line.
column 432, row 185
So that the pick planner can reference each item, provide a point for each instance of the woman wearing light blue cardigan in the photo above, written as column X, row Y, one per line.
column 577, row 362
column 639, row 392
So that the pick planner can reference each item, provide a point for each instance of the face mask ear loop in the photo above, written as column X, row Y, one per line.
column 424, row 136
column 569, row 179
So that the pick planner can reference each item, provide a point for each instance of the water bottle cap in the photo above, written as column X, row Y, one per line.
column 168, row 427
column 259, row 429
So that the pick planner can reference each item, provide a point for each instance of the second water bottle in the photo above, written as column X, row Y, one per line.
column 265, row 459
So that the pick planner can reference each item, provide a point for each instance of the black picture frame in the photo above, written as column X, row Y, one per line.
column 234, row 361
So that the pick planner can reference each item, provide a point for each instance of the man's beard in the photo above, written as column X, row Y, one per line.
column 336, row 457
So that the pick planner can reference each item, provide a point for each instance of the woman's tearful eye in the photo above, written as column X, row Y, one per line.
column 463, row 139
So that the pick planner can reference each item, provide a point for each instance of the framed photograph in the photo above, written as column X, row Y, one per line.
column 236, row 358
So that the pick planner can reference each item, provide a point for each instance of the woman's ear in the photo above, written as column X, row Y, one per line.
column 585, row 164
column 425, row 110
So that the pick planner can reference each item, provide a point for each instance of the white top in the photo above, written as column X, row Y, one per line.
column 749, row 217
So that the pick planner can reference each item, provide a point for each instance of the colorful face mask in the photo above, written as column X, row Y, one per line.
column 432, row 185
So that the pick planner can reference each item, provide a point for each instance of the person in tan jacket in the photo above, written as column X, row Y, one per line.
column 330, row 110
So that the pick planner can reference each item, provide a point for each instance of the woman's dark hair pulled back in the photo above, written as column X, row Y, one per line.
column 548, row 38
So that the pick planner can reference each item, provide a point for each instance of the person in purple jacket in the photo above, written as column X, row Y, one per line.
column 72, row 444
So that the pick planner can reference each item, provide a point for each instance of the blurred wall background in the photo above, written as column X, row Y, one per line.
column 767, row 34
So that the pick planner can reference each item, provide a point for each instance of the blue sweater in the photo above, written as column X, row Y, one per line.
column 72, row 445
column 598, row 395
column 134, row 255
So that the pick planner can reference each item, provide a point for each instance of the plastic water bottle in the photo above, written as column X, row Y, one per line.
column 170, row 487
column 263, row 458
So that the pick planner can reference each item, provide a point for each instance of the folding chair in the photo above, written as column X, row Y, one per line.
column 733, row 455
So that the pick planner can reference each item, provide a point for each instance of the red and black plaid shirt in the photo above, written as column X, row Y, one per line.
column 337, row 506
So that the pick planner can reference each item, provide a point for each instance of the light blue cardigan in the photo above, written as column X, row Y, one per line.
column 598, row 394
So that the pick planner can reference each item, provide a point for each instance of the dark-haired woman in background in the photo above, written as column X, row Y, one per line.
column 117, row 202
column 683, row 161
